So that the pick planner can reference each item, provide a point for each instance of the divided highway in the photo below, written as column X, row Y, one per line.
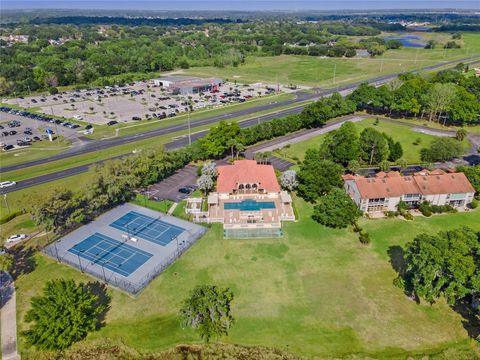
column 96, row 145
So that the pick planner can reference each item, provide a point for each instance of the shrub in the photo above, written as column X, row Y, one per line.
column 407, row 216
column 399, row 282
column 364, row 237
column 391, row 214
column 356, row 228
column 474, row 204
column 425, row 209
column 10, row 216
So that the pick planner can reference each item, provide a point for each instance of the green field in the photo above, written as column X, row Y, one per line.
column 402, row 133
column 315, row 71
column 314, row 292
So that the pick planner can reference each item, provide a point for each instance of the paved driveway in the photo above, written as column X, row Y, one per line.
column 8, row 318
column 168, row 188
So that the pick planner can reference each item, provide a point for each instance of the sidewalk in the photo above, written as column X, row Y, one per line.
column 8, row 318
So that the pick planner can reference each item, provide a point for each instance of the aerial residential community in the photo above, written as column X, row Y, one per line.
column 240, row 180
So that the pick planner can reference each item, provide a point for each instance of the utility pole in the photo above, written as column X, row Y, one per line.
column 334, row 72
column 6, row 202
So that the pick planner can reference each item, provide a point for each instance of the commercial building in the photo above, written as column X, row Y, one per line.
column 188, row 84
column 248, row 201
column 384, row 191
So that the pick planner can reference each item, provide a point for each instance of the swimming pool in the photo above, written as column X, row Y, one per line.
column 249, row 205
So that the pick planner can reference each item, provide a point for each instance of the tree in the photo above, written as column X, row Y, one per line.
column 461, row 134
column 216, row 143
column 431, row 44
column 446, row 264
column 441, row 149
column 205, row 183
column 208, row 311
column 373, row 146
column 353, row 166
column 473, row 175
column 465, row 108
column 210, row 169
column 342, row 145
column 336, row 209
column 6, row 262
column 317, row 176
column 65, row 313
column 288, row 180
column 439, row 98
column 395, row 149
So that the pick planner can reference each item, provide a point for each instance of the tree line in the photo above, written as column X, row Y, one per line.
column 448, row 97
column 88, row 55
column 113, row 183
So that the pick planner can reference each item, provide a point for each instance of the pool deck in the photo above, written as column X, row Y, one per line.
column 235, row 218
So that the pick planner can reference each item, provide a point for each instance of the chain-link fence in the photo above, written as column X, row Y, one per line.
column 110, row 277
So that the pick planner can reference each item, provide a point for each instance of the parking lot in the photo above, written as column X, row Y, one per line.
column 19, row 130
column 136, row 101
column 168, row 189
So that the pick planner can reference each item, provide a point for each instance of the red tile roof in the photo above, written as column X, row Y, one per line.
column 391, row 184
column 246, row 172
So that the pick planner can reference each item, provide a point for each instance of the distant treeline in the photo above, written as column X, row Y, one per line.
column 117, row 20
column 457, row 27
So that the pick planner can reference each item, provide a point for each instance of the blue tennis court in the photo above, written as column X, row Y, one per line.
column 148, row 228
column 111, row 254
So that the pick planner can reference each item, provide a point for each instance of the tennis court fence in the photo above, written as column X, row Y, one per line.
column 118, row 281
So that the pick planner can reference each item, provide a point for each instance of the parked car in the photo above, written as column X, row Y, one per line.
column 136, row 118
column 8, row 147
column 185, row 190
column 16, row 237
column 6, row 184
column 112, row 122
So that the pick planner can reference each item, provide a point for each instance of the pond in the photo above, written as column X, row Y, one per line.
column 412, row 41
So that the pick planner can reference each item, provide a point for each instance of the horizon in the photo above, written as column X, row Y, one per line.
column 248, row 6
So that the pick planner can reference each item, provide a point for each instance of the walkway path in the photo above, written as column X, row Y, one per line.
column 8, row 318
column 302, row 135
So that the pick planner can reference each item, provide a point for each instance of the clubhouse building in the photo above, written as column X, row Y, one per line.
column 248, row 201
column 384, row 191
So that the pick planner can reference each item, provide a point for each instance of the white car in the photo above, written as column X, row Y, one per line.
column 17, row 237
column 5, row 184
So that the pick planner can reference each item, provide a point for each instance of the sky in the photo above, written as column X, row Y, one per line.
column 247, row 5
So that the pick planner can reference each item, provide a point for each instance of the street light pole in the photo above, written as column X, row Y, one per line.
column 189, row 131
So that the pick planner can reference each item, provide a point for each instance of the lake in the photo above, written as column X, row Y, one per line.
column 412, row 41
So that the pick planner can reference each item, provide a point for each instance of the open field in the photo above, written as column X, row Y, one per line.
column 315, row 71
column 314, row 292
column 404, row 134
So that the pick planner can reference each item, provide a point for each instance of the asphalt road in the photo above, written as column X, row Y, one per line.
column 182, row 141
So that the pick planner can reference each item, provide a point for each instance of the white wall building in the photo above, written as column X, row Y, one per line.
column 384, row 191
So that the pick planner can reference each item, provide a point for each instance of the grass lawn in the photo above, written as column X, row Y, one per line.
column 314, row 292
column 161, row 206
column 36, row 151
column 315, row 71
column 404, row 134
